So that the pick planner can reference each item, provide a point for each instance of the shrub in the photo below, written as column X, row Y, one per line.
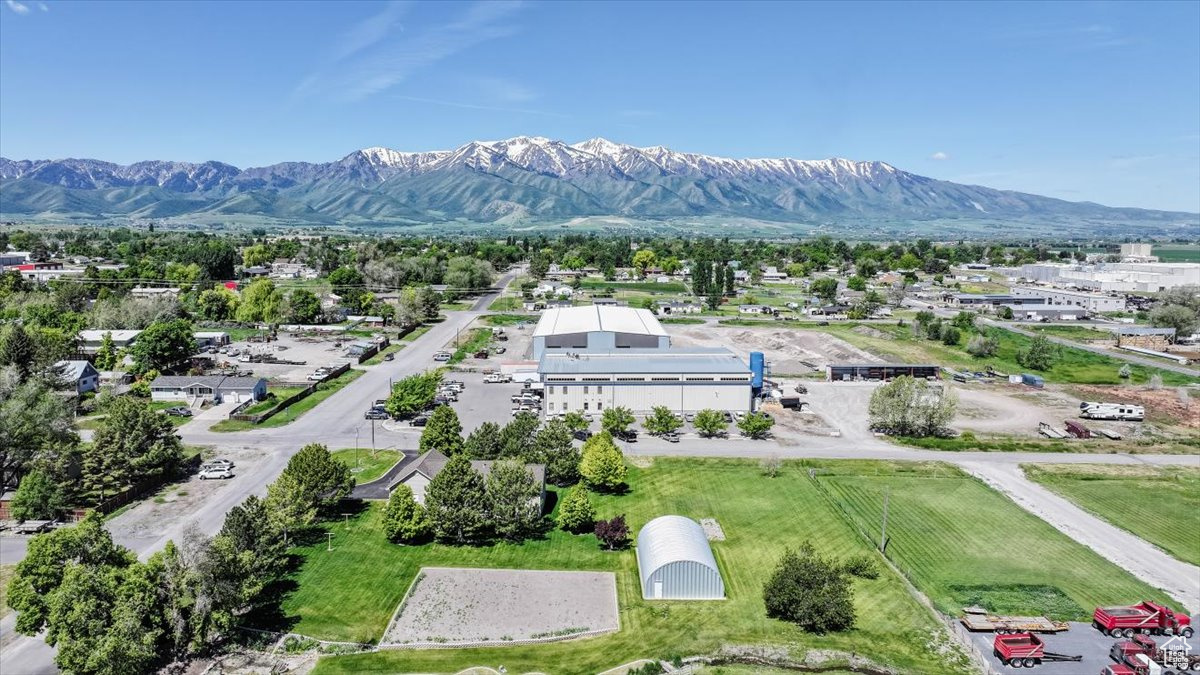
column 810, row 591
column 613, row 534
column 404, row 520
column 576, row 514
column 1040, row 354
column 950, row 335
column 862, row 566
column 981, row 346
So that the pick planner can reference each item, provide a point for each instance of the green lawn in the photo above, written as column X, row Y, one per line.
column 681, row 320
column 999, row 443
column 287, row 415
column 371, row 465
column 93, row 421
column 351, row 592
column 469, row 344
column 1074, row 366
column 509, row 319
column 416, row 332
column 1177, row 252
column 646, row 286
column 1121, row 495
column 1077, row 333
column 6, row 574
column 507, row 303
column 962, row 543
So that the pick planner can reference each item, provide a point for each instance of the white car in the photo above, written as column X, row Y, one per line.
column 497, row 378
column 442, row 356
column 216, row 473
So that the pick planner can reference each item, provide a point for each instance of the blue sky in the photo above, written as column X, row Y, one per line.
column 1078, row 100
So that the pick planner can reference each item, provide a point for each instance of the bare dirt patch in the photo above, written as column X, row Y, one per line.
column 998, row 408
column 453, row 605
column 1164, row 404
column 789, row 351
column 712, row 529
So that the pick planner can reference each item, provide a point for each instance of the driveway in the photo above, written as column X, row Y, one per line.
column 378, row 488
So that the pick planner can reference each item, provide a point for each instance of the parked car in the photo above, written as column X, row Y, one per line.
column 389, row 357
column 497, row 378
column 628, row 435
column 671, row 436
column 442, row 356
column 482, row 354
column 420, row 421
column 179, row 411
column 801, row 389
column 689, row 417
column 375, row 414
column 216, row 474
column 498, row 350
column 218, row 463
column 582, row 434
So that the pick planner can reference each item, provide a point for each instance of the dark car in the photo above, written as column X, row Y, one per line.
column 628, row 435
column 482, row 354
column 420, row 421
column 179, row 411
column 582, row 434
column 389, row 357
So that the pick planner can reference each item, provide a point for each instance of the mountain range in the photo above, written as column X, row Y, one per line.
column 533, row 179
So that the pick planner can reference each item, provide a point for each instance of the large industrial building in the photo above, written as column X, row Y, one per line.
column 594, row 358
column 1093, row 302
column 568, row 329
column 675, row 561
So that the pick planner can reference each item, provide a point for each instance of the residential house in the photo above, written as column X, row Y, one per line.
column 773, row 274
column 256, row 271
column 420, row 473
column 154, row 292
column 553, row 289
column 678, row 307
column 213, row 388
column 609, row 302
column 82, row 374
column 90, row 340
column 207, row 338
column 757, row 309
column 741, row 276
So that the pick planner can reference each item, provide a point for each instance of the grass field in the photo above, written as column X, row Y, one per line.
column 962, row 543
column 1177, row 252
column 509, row 319
column 1120, row 495
column 1074, row 366
column 645, row 286
column 92, row 422
column 987, row 443
column 6, row 574
column 292, row 412
column 507, row 303
column 1077, row 333
column 350, row 593
column 372, row 465
column 681, row 320
column 469, row 344
column 378, row 358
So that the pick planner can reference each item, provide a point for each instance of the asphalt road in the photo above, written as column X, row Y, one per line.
column 338, row 422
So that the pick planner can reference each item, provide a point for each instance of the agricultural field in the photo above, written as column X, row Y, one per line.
column 369, row 464
column 350, row 593
column 893, row 342
column 1121, row 495
column 1177, row 252
column 962, row 543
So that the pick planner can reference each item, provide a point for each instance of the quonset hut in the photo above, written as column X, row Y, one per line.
column 676, row 562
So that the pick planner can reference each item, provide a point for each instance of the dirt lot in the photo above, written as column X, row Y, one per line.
column 518, row 346
column 452, row 605
column 1011, row 409
column 788, row 351
column 1161, row 404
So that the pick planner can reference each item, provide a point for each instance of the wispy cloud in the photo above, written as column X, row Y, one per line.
column 474, row 106
column 939, row 156
column 372, row 57
column 504, row 90
column 1085, row 36
column 17, row 7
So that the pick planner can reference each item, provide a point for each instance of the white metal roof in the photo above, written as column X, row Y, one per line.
column 567, row 320
column 117, row 335
column 668, row 539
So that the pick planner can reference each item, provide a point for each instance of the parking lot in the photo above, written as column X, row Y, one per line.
column 313, row 350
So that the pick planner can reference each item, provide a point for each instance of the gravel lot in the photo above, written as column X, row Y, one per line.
column 453, row 605
column 788, row 351
column 1081, row 640
column 315, row 351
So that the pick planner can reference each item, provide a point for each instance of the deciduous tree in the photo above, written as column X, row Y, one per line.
column 908, row 407
column 1039, row 354
column 603, row 465
column 413, row 394
column 756, row 425
column 616, row 420
column 404, row 520
column 456, row 500
column 662, row 420
column 323, row 480
column 613, row 534
column 39, row 497
column 576, row 514
column 710, row 422
column 163, row 345
column 810, row 591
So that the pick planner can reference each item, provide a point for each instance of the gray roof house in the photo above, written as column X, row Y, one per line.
column 215, row 388
column 82, row 374
column 418, row 475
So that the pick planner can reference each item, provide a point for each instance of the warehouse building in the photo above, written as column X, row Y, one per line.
column 878, row 371
column 597, row 327
column 1093, row 302
column 683, row 380
column 992, row 300
column 675, row 561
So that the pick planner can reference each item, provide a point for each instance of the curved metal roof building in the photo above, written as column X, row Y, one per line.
column 676, row 562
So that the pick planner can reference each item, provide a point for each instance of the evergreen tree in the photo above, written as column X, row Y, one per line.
column 515, row 499
column 517, row 438
column 442, row 432
column 456, row 502
column 404, row 520
column 106, row 356
column 485, row 442
column 133, row 443
column 576, row 514
column 555, row 448
column 17, row 349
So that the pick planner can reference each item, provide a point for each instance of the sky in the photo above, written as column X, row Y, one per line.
column 1090, row 101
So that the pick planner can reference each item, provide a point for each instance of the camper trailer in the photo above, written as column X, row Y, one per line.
column 1112, row 411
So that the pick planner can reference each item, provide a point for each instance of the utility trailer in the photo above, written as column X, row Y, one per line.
column 1178, row 660
column 1109, row 434
column 1078, row 430
column 978, row 619
column 1049, row 431
column 1026, row 650
column 1145, row 617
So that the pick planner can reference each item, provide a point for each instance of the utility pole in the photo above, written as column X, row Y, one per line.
column 883, row 530
column 372, row 438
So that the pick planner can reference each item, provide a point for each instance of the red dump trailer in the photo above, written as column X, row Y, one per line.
column 1078, row 430
column 1025, row 650
column 1146, row 617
